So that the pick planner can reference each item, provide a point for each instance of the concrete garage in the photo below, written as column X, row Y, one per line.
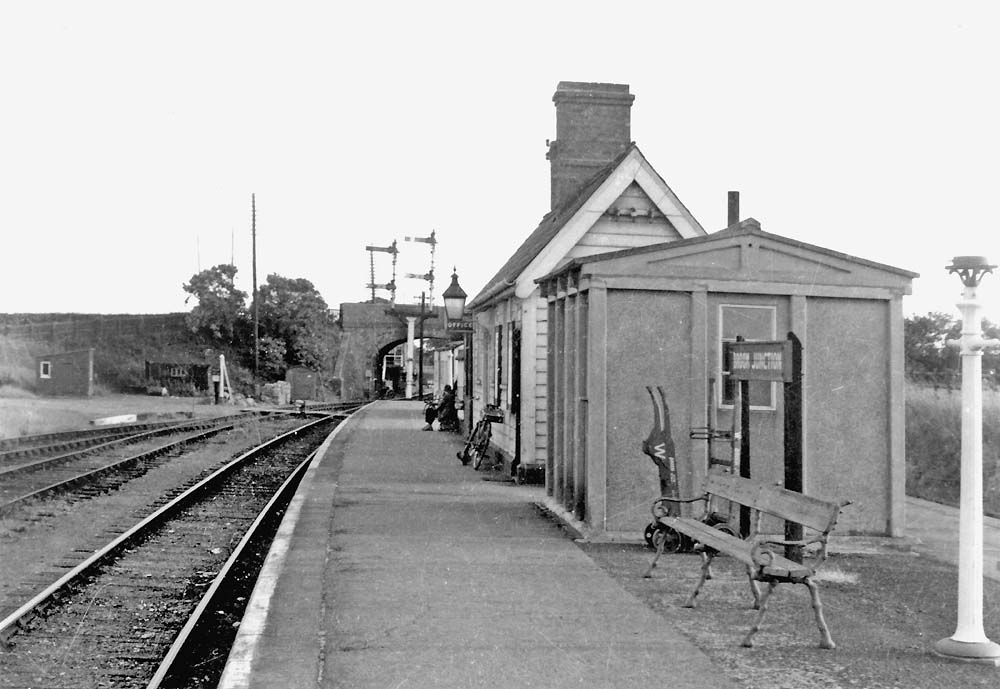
column 659, row 315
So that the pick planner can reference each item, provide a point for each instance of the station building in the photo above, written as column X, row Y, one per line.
column 659, row 316
column 605, row 196
column 620, row 288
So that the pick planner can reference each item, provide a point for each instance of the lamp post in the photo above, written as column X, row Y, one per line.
column 969, row 642
column 454, row 309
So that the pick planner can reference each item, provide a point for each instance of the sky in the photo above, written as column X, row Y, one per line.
column 134, row 135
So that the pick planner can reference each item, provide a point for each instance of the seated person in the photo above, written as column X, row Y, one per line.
column 446, row 412
column 430, row 413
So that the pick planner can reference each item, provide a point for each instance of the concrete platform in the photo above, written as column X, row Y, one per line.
column 398, row 567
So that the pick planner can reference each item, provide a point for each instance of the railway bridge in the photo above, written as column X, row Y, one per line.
column 371, row 330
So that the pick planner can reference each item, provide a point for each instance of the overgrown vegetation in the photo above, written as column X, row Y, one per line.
column 295, row 327
column 934, row 445
column 934, row 412
column 930, row 357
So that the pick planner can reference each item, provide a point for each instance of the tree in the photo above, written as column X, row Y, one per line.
column 220, row 308
column 925, row 343
column 293, row 312
column 272, row 357
column 924, row 340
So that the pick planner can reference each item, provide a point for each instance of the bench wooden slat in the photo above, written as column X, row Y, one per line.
column 736, row 547
column 814, row 513
column 734, row 488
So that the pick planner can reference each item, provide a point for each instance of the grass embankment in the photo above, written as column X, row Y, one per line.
column 119, row 358
column 934, row 445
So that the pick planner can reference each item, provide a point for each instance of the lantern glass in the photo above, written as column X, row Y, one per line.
column 454, row 300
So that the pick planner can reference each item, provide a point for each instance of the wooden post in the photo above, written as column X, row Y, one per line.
column 744, row 409
column 793, row 442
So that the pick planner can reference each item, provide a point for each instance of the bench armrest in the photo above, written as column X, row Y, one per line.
column 659, row 507
column 762, row 557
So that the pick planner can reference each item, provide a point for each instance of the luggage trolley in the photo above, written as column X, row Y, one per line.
column 659, row 446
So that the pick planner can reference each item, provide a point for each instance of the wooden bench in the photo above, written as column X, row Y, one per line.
column 763, row 565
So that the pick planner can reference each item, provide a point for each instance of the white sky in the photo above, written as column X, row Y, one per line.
column 133, row 135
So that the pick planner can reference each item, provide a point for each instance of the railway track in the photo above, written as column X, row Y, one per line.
column 112, row 619
column 24, row 449
column 100, row 467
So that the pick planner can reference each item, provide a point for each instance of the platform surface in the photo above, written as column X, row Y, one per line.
column 399, row 567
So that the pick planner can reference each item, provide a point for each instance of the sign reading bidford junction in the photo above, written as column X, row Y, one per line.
column 761, row 360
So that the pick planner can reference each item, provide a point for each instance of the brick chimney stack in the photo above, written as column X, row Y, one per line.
column 593, row 126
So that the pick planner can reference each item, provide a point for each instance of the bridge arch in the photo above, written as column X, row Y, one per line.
column 368, row 332
column 392, row 375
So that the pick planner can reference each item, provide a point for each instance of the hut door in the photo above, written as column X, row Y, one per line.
column 515, row 391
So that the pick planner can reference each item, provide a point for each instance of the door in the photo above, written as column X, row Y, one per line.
column 515, row 393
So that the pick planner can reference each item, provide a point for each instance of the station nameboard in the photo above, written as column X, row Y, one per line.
column 761, row 360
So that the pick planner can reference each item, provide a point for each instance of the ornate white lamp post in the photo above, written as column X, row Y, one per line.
column 969, row 641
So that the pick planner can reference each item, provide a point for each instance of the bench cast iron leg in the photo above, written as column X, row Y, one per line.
column 652, row 565
column 754, row 589
column 748, row 639
column 706, row 573
column 825, row 640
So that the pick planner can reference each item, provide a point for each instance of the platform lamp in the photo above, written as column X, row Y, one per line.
column 454, row 309
column 969, row 642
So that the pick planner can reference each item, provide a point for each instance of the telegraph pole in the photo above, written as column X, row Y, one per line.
column 256, row 306
column 420, row 366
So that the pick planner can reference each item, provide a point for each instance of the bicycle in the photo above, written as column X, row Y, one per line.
column 478, row 444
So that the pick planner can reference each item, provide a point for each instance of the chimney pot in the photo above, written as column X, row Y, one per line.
column 734, row 208
column 593, row 127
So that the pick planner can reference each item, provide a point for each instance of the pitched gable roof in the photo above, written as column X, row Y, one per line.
column 556, row 220
column 717, row 256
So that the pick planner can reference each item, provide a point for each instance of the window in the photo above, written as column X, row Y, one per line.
column 45, row 369
column 752, row 323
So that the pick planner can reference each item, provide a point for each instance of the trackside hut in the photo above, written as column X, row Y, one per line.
column 605, row 197
column 65, row 373
column 659, row 315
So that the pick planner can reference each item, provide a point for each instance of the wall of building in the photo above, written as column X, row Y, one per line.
column 847, row 398
column 648, row 344
column 66, row 373
column 633, row 220
column 534, row 377
column 607, row 346
column 488, row 388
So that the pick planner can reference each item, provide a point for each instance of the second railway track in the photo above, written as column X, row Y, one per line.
column 92, row 468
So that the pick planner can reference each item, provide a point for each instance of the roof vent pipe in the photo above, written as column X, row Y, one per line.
column 734, row 208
